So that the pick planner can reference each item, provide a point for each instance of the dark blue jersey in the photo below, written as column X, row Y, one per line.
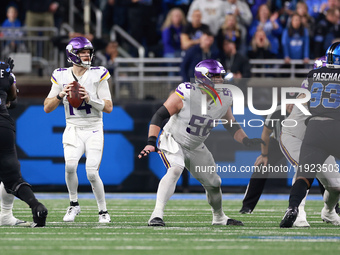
column 6, row 81
column 324, row 85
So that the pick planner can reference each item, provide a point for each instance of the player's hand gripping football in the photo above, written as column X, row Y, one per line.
column 66, row 90
column 84, row 93
column 147, row 149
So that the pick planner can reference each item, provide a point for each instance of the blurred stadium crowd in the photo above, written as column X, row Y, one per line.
column 232, row 31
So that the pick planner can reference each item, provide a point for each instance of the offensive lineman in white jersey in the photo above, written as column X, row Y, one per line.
column 181, row 143
column 84, row 125
column 290, row 143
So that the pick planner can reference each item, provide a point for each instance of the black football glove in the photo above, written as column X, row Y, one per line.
column 10, row 63
column 251, row 142
column 152, row 140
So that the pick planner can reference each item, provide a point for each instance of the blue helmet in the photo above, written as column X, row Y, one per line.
column 320, row 62
column 206, row 70
column 333, row 54
column 73, row 48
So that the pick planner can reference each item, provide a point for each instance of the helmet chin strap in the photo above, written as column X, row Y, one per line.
column 86, row 65
column 83, row 65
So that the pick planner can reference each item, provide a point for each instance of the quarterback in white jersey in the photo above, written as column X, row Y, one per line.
column 84, row 125
column 290, row 143
column 181, row 143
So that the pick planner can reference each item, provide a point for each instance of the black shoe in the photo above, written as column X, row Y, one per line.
column 233, row 222
column 39, row 215
column 156, row 222
column 289, row 217
column 337, row 209
column 245, row 210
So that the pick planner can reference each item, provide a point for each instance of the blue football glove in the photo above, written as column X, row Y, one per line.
column 10, row 63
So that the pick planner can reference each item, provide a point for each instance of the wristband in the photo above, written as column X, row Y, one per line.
column 264, row 155
column 97, row 103
column 58, row 97
column 152, row 141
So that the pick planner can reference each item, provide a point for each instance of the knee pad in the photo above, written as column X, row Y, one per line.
column 213, row 182
column 333, row 189
column 71, row 166
column 175, row 170
column 92, row 175
column 15, row 188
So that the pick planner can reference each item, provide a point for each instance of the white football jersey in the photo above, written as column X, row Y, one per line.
column 299, row 130
column 190, row 127
column 95, row 82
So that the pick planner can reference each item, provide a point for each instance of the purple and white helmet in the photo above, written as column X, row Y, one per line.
column 74, row 46
column 206, row 69
column 320, row 62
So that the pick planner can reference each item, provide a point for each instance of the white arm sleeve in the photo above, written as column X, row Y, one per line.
column 103, row 93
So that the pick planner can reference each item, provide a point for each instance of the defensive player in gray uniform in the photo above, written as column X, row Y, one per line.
column 84, row 125
column 181, row 144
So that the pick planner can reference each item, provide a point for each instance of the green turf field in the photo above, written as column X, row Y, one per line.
column 188, row 230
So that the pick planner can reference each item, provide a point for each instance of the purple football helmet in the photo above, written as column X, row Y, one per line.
column 320, row 62
column 206, row 70
column 74, row 46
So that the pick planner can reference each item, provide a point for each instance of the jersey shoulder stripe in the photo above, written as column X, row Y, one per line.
column 53, row 79
column 183, row 90
column 56, row 73
column 101, row 71
column 105, row 75
column 179, row 93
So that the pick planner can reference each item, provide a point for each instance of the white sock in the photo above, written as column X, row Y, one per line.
column 7, row 201
column 214, row 196
column 166, row 188
column 303, row 203
column 330, row 199
column 71, row 179
column 72, row 185
column 97, row 188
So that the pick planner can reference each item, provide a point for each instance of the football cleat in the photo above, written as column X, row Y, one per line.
column 227, row 221
column 301, row 220
column 233, row 222
column 10, row 220
column 330, row 217
column 289, row 217
column 104, row 217
column 156, row 222
column 337, row 209
column 71, row 213
column 245, row 210
column 39, row 215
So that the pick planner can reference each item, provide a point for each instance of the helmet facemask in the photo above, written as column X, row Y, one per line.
column 209, row 72
column 73, row 49
column 333, row 55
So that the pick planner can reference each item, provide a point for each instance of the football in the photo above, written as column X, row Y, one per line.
column 74, row 97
